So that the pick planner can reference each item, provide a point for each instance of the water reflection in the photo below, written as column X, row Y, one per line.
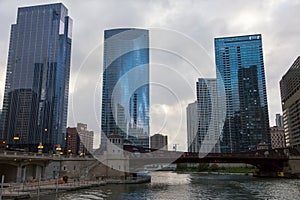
column 169, row 185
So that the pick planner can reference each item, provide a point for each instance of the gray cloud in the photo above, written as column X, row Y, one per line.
column 278, row 21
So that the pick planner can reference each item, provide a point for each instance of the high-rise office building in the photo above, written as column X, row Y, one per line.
column 72, row 141
column 125, row 94
column 37, row 78
column 279, row 120
column 203, row 119
column 240, row 72
column 159, row 141
column 192, row 127
column 0, row 123
column 86, row 138
column 290, row 98
column 207, row 111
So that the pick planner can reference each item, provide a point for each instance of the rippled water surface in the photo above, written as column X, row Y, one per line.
column 170, row 185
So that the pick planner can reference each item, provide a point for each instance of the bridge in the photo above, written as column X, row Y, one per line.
column 268, row 162
column 22, row 166
column 16, row 166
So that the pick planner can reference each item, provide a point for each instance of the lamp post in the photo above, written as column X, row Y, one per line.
column 40, row 148
column 16, row 138
column 58, row 149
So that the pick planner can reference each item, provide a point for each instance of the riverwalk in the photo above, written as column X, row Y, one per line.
column 35, row 189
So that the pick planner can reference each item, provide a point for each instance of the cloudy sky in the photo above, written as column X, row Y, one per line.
column 182, row 34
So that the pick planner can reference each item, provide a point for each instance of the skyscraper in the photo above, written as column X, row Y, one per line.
column 240, row 71
column 207, row 111
column 203, row 119
column 125, row 94
column 192, row 127
column 279, row 120
column 290, row 98
column 37, row 78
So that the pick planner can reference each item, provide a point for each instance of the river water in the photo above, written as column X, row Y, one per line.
column 171, row 185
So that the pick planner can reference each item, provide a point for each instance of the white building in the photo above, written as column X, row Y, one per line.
column 86, row 138
column 203, row 129
column 192, row 127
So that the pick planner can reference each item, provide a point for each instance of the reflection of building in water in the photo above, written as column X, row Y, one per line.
column 125, row 94
column 240, row 71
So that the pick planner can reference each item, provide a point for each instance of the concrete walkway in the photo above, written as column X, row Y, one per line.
column 27, row 190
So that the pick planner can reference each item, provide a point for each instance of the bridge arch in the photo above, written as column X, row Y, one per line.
column 9, row 170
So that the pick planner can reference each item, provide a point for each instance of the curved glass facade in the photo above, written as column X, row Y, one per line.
column 125, row 94
column 208, row 130
column 37, row 79
column 240, row 69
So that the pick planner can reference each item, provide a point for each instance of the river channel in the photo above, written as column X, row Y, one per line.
column 171, row 185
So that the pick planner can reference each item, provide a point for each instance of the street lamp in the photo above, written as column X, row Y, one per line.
column 16, row 138
column 58, row 149
column 40, row 148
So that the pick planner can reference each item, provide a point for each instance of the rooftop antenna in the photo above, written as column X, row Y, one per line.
column 175, row 147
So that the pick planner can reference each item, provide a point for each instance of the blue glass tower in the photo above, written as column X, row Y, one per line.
column 125, row 94
column 240, row 71
column 37, row 78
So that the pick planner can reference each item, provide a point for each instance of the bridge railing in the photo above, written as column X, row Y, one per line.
column 23, row 154
column 172, row 154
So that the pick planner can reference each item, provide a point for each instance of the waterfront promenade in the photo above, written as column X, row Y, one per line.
column 35, row 189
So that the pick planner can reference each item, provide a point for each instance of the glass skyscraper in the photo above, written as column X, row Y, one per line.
column 203, row 127
column 125, row 94
column 192, row 119
column 207, row 111
column 37, row 78
column 240, row 71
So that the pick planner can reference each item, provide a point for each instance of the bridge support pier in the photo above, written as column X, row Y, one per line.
column 19, row 173
column 268, row 174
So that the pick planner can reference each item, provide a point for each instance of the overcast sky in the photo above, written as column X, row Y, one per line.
column 182, row 34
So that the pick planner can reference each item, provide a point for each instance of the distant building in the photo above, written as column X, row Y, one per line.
column 279, row 120
column 115, row 156
column 125, row 96
column 1, row 123
column 241, row 73
column 159, row 141
column 86, row 138
column 35, row 103
column 72, row 141
column 277, row 137
column 2, row 144
column 207, row 111
column 192, row 127
column 290, row 101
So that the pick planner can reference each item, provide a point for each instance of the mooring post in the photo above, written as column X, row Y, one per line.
column 2, row 182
